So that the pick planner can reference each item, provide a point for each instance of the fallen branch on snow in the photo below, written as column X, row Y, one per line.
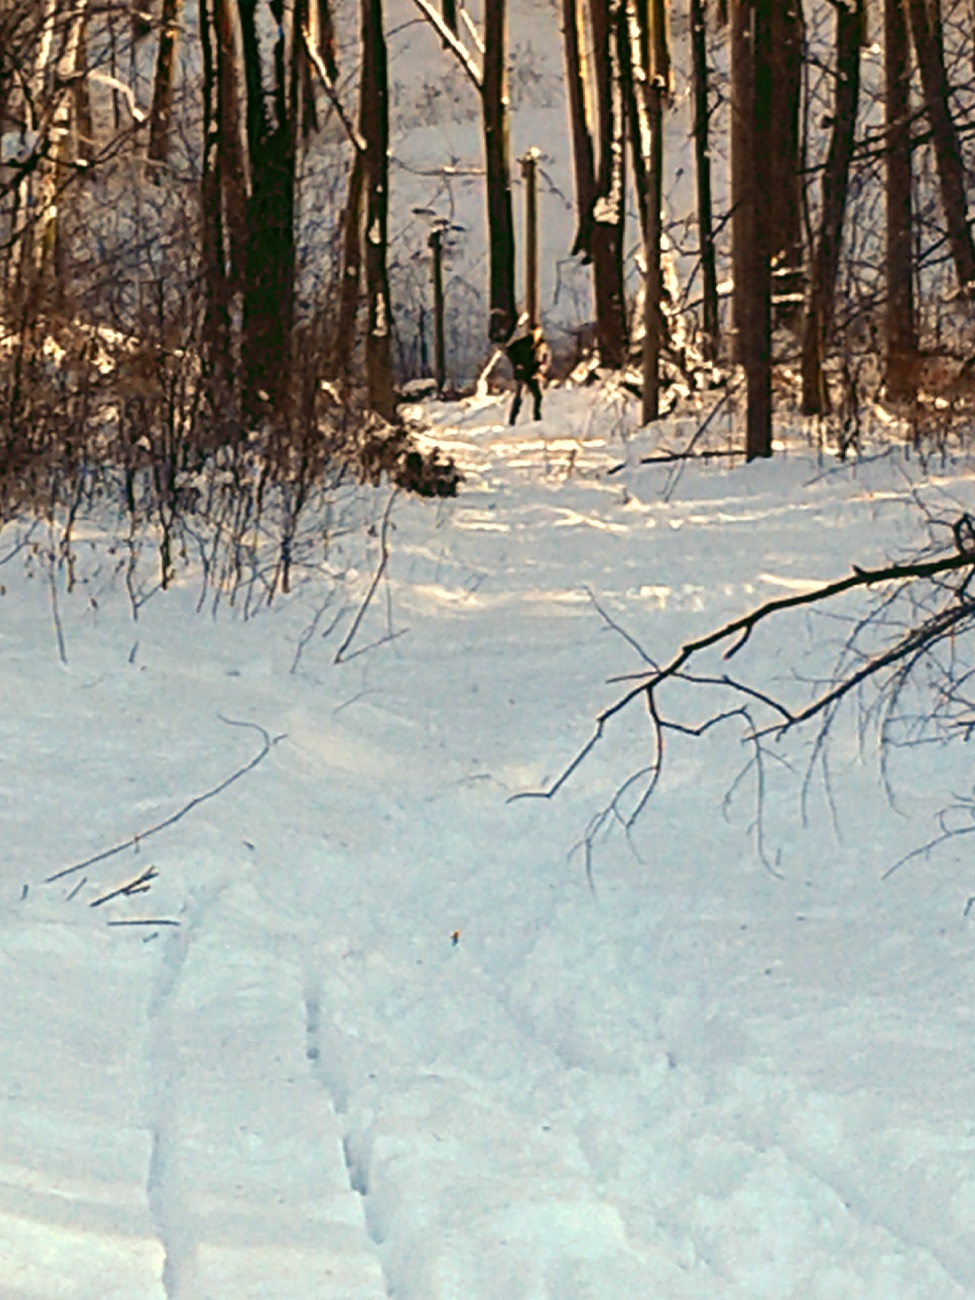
column 195, row 802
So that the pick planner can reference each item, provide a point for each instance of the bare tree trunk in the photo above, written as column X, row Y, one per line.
column 742, row 160
column 439, row 345
column 785, row 193
column 606, row 238
column 491, row 86
column 270, row 243
column 52, row 97
column 926, row 30
column 634, row 77
column 345, row 325
column 702, row 157
column 374, row 129
column 497, row 152
column 231, row 160
column 216, row 325
column 836, row 174
column 84, row 127
column 322, row 28
column 160, row 116
column 657, row 82
column 529, row 173
column 758, row 315
column 583, row 155
column 900, row 337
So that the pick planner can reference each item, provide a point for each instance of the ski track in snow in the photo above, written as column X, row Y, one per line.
column 166, row 1196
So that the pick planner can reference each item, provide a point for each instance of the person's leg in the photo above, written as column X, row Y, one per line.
column 536, row 391
column 515, row 405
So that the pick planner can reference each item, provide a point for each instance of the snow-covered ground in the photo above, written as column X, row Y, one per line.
column 384, row 1039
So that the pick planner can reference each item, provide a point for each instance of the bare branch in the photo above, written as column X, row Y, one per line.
column 177, row 816
column 454, row 42
column 950, row 610
column 318, row 64
column 340, row 655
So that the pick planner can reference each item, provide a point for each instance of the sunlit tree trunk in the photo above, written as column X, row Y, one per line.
column 84, row 142
column 350, row 272
column 161, row 113
column 836, row 174
column 583, row 153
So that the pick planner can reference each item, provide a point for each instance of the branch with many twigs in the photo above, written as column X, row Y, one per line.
column 948, row 577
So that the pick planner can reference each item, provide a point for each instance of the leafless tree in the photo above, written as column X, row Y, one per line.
column 485, row 67
column 820, row 307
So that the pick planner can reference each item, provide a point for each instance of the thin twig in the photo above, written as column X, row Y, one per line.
column 177, row 816
column 376, row 578
column 149, row 920
column 139, row 885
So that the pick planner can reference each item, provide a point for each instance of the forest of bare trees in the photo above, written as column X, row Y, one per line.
column 197, row 225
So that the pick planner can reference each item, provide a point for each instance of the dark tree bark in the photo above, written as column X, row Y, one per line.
column 216, row 324
column 900, row 338
column 269, row 256
column 742, row 160
column 657, row 83
column 230, row 144
column 836, row 175
column 702, row 158
column 926, row 31
column 84, row 126
column 374, row 129
column 501, row 230
column 348, row 310
column 323, row 28
column 161, row 113
column 606, row 234
column 785, row 194
column 758, row 315
column 583, row 153
column 751, row 139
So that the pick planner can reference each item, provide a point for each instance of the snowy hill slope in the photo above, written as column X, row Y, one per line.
column 382, row 1038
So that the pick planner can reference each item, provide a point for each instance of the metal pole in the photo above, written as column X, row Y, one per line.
column 529, row 172
column 439, row 352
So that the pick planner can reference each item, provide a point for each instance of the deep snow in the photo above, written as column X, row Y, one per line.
column 396, row 1044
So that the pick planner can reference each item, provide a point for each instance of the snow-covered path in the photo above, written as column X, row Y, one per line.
column 396, row 1045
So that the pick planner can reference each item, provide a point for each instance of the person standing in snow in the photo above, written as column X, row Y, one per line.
column 528, row 355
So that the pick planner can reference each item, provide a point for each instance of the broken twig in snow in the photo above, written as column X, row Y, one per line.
column 139, row 885
column 136, row 839
column 340, row 655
